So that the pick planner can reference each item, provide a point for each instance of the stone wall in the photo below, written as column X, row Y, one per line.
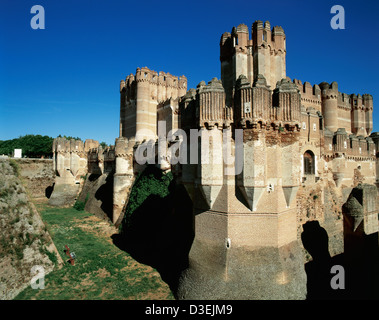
column 38, row 176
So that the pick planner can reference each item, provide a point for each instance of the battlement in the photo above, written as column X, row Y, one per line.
column 344, row 101
column 353, row 112
column 63, row 145
column 140, row 96
column 310, row 95
column 329, row 91
column 349, row 145
column 89, row 144
column 263, row 35
column 262, row 52
column 161, row 85
column 95, row 154
column 307, row 90
column 144, row 74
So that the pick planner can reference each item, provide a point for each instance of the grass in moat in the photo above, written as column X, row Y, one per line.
column 101, row 270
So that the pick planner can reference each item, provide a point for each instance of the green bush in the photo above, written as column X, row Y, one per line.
column 152, row 181
column 19, row 251
column 80, row 205
column 15, row 166
column 51, row 255
column 4, row 193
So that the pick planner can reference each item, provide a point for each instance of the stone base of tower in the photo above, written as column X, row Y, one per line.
column 221, row 266
column 65, row 191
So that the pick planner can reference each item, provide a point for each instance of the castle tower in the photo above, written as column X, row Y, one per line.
column 264, row 54
column 358, row 116
column 329, row 105
column 124, row 175
column 139, row 98
column 128, row 106
column 245, row 211
column 240, row 36
column 69, row 163
column 255, row 168
column 146, row 107
column 269, row 50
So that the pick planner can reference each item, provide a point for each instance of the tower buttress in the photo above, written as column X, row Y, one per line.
column 358, row 116
column 368, row 108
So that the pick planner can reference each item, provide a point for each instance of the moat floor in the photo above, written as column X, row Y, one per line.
column 101, row 270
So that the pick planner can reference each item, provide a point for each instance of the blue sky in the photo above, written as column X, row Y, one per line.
column 65, row 79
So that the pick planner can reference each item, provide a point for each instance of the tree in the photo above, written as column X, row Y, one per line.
column 69, row 137
column 32, row 146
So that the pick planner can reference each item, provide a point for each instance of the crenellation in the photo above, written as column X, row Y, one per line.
column 279, row 39
column 310, row 95
column 140, row 97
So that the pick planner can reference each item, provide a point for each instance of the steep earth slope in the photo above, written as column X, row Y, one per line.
column 24, row 241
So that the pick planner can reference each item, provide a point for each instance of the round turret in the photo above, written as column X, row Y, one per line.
column 329, row 94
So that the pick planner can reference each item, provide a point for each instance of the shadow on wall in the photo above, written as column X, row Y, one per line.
column 49, row 191
column 97, row 194
column 360, row 278
column 160, row 231
column 105, row 195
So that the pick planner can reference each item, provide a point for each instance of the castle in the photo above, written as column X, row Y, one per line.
column 306, row 151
